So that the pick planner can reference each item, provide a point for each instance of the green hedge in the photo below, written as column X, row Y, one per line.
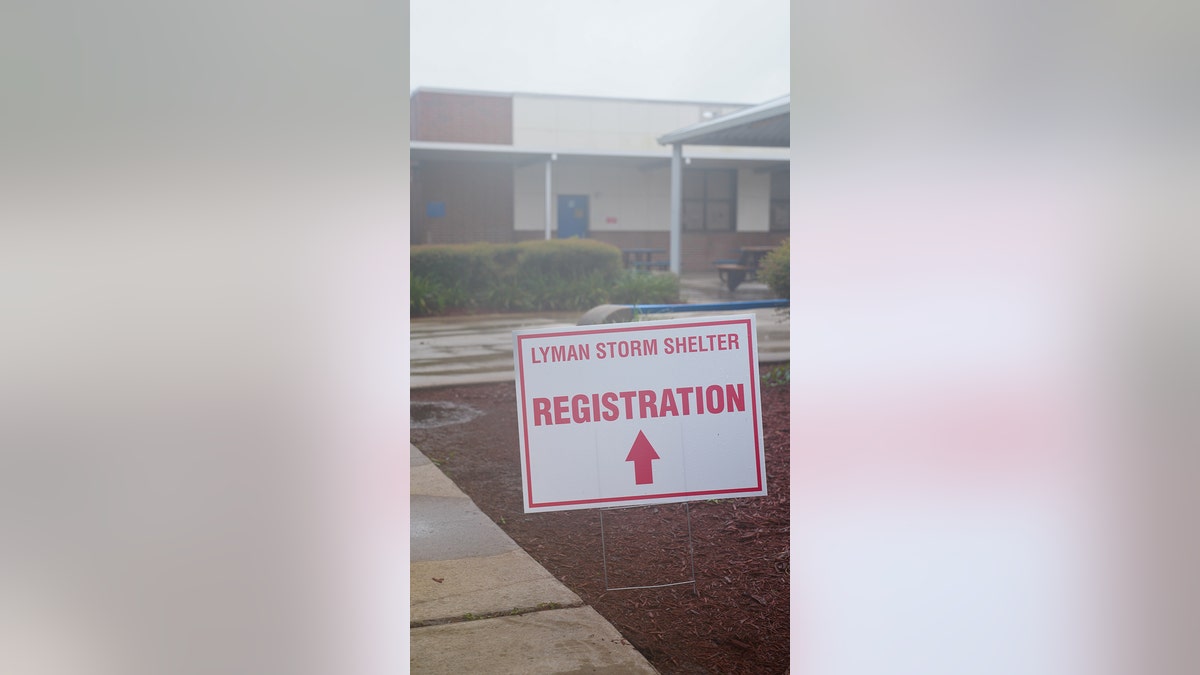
column 641, row 288
column 563, row 274
column 776, row 269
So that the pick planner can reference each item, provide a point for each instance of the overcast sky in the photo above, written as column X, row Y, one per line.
column 706, row 50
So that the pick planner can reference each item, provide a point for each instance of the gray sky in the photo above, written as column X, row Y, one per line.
column 732, row 51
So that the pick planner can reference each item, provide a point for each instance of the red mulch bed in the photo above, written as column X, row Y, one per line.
column 735, row 620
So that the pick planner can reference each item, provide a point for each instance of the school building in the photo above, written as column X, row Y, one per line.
column 506, row 167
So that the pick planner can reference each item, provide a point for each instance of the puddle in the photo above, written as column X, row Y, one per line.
column 430, row 414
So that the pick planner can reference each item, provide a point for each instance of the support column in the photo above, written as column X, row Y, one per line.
column 549, row 211
column 676, row 203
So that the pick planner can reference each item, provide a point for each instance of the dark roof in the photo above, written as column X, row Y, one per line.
column 764, row 125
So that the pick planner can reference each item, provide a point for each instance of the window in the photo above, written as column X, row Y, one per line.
column 709, row 199
column 780, row 200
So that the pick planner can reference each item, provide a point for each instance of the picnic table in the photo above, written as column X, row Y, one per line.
column 734, row 271
column 643, row 258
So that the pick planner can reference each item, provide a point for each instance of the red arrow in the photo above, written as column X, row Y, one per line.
column 642, row 454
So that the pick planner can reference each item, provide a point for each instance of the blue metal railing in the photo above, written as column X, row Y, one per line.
column 709, row 306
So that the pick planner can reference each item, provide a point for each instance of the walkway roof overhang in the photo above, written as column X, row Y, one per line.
column 764, row 125
column 479, row 152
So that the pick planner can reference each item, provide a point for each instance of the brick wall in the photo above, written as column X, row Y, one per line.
column 461, row 118
column 478, row 200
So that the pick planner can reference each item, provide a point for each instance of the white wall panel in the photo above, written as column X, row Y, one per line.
column 540, row 139
column 529, row 201
column 591, row 124
column 574, row 140
column 636, row 199
column 538, row 113
column 574, row 114
column 632, row 119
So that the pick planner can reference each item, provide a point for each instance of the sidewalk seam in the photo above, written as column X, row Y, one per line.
column 515, row 611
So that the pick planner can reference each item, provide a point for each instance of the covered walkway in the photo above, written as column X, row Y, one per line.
column 765, row 125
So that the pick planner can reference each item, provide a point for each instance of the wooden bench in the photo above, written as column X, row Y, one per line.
column 643, row 258
column 734, row 272
column 649, row 264
column 733, row 275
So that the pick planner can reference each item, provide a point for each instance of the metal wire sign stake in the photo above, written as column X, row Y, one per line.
column 691, row 555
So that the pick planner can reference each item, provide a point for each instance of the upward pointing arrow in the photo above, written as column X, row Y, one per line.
column 642, row 454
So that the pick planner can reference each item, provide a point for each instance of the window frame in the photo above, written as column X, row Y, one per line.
column 780, row 200
column 704, row 202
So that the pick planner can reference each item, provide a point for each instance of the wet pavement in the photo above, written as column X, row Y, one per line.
column 470, row 349
column 476, row 349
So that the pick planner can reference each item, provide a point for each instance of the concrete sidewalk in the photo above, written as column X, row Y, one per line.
column 480, row 604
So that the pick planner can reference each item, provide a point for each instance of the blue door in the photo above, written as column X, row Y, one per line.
column 572, row 216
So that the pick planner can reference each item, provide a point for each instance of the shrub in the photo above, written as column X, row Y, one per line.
column 464, row 271
column 776, row 269
column 426, row 297
column 536, row 275
column 543, row 292
column 777, row 376
column 422, row 298
column 432, row 297
column 640, row 288
column 569, row 259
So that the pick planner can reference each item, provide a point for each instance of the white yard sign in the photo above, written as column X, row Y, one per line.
column 639, row 413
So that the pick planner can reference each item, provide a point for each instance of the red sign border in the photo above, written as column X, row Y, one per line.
column 757, row 414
